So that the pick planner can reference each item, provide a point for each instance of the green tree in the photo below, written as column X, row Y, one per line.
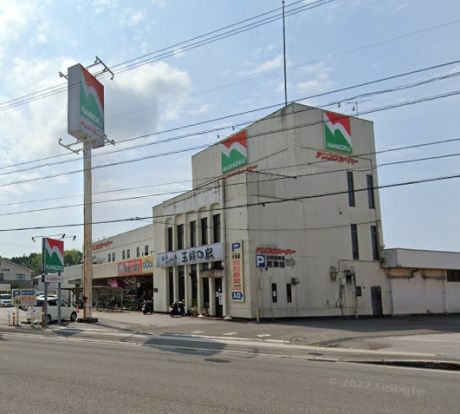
column 34, row 260
column 72, row 257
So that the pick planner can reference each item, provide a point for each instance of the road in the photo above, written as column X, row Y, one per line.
column 42, row 374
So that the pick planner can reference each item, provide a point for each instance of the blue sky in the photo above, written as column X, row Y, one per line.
column 338, row 44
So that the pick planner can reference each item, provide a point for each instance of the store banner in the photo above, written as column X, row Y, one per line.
column 130, row 267
column 237, row 272
column 194, row 255
column 138, row 266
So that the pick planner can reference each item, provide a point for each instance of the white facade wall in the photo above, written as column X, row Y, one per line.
column 419, row 281
column 131, row 240
column 316, row 228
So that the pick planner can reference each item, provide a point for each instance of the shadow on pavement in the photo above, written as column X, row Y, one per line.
column 185, row 345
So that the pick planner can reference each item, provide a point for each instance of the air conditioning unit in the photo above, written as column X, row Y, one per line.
column 294, row 281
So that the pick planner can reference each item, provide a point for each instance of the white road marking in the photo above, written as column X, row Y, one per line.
column 230, row 333
column 263, row 335
column 197, row 332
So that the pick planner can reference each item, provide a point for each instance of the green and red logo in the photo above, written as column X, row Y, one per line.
column 234, row 151
column 91, row 99
column 337, row 133
column 85, row 104
column 52, row 256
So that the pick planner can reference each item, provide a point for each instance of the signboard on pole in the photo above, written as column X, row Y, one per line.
column 85, row 106
column 52, row 256
column 24, row 297
column 237, row 272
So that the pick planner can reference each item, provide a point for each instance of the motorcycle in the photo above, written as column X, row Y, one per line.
column 177, row 308
column 147, row 306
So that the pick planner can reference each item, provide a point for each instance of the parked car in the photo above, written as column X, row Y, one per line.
column 5, row 300
column 68, row 311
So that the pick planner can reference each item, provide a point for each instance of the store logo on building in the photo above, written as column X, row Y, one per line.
column 337, row 132
column 234, row 151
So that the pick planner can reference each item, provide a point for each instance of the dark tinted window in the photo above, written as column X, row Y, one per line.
column 180, row 236
column 351, row 189
column 370, row 191
column 204, row 230
column 354, row 241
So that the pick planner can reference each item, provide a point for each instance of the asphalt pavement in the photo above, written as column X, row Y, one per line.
column 43, row 374
column 431, row 336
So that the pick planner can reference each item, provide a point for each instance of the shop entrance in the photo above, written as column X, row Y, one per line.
column 219, row 298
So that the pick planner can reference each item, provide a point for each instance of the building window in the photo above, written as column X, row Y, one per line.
column 109, row 256
column 351, row 189
column 375, row 243
column 354, row 241
column 204, row 230
column 146, row 250
column 289, row 292
column 170, row 239
column 274, row 293
column 138, row 251
column 2, row 276
column 370, row 191
column 216, row 228
column 113, row 256
column 128, row 253
column 20, row 277
column 180, row 236
column 452, row 276
column 123, row 255
column 192, row 233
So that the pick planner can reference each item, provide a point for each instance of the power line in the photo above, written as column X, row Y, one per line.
column 164, row 51
column 175, row 138
column 200, row 190
column 416, row 71
column 143, row 158
column 247, row 205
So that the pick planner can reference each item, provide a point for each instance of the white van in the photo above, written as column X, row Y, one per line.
column 68, row 311
column 5, row 299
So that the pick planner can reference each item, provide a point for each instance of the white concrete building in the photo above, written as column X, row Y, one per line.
column 124, row 262
column 423, row 281
column 282, row 221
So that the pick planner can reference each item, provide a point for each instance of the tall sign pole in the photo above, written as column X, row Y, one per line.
column 85, row 116
column 87, row 234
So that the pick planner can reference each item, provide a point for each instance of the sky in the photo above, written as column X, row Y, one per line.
column 341, row 43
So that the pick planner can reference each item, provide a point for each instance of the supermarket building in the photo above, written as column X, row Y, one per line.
column 282, row 220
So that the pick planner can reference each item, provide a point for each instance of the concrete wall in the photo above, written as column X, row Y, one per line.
column 140, row 237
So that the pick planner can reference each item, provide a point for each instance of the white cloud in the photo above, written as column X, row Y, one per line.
column 317, row 80
column 267, row 66
column 15, row 18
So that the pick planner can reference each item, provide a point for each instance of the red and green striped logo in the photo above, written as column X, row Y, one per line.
column 234, row 151
column 337, row 133
column 53, row 256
